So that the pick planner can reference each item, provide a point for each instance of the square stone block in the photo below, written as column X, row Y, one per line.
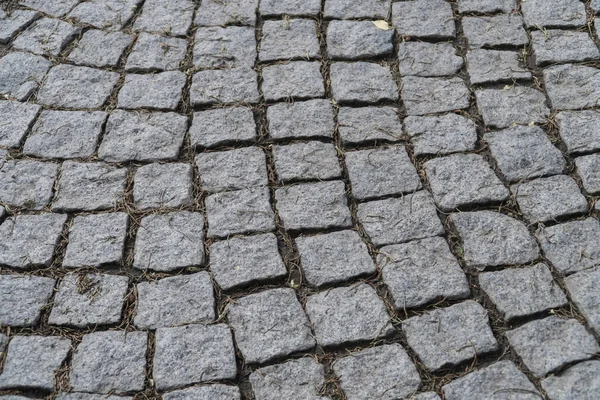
column 56, row 8
column 298, row 80
column 234, row 169
column 349, row 9
column 301, row 119
column 223, row 126
column 20, row 75
column 362, row 82
column 293, row 8
column 210, row 392
column 18, row 118
column 224, row 47
column 553, row 13
column 440, row 135
column 579, row 381
column 27, row 183
column 501, row 108
column 173, row 17
column 100, row 49
column 156, row 53
column 554, row 46
column 366, row 124
column 306, row 161
column 486, row 6
column 110, row 15
column 572, row 87
column 161, row 91
column 224, row 86
column 289, row 39
column 578, row 130
column 495, row 31
column 428, row 59
column 14, row 23
column 582, row 287
column 300, row 378
column 492, row 66
column 433, row 95
column 588, row 169
column 46, row 36
column 424, row 19
column 22, row 299
column 163, row 186
column 353, row 40
column 231, row 12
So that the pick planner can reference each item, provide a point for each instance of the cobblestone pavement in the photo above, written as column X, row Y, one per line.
column 299, row 199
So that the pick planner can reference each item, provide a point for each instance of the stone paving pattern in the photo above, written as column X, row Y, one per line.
column 299, row 199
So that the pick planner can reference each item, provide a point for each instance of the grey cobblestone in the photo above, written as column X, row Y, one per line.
column 100, row 49
column 302, row 119
column 588, row 169
column 294, row 80
column 14, row 23
column 289, row 40
column 498, row 30
column 501, row 108
column 553, row 13
column 17, row 118
column 486, row 6
column 234, row 169
column 578, row 130
column 156, row 53
column 163, row 186
column 46, row 36
column 105, row 14
column 428, row 59
column 300, row 378
column 347, row 9
column 445, row 134
column 224, row 126
column 293, row 8
column 357, row 125
column 351, row 40
column 161, row 91
column 22, row 299
column 424, row 19
column 56, row 8
column 89, row 396
column 309, row 160
column 578, row 382
column 20, row 74
column 166, row 16
column 224, row 86
column 211, row 392
column 491, row 66
column 224, row 47
column 362, row 82
column 425, row 396
column 27, row 183
column 433, row 95
column 572, row 87
column 581, row 288
column 559, row 46
column 219, row 13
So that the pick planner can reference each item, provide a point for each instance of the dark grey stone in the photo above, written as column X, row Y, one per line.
column 302, row 119
column 27, row 183
column 347, row 9
column 581, row 381
column 293, row 8
column 161, row 91
column 56, row 8
column 486, row 6
column 424, row 19
column 362, row 82
column 46, row 36
column 105, row 14
column 572, row 87
column 224, row 47
column 16, row 118
column 351, row 40
column 224, row 86
column 3, row 342
column 588, row 169
column 440, row 135
column 156, row 53
column 433, row 95
column 16, row 21
column 173, row 17
column 294, row 80
column 300, row 378
column 498, row 30
column 23, row 298
column 553, row 13
column 558, row 46
column 223, row 126
column 211, row 392
column 289, row 39
column 163, row 186
column 358, row 125
column 501, row 108
column 308, row 160
column 233, row 169
column 583, row 288
column 491, row 66
column 428, row 59
column 100, row 49
column 21, row 74
column 219, row 13
column 578, row 130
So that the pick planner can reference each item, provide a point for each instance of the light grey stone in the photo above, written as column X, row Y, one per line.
column 224, row 86
column 239, row 211
column 524, row 152
column 551, row 343
column 501, row 108
column 520, row 292
column 161, row 91
column 156, row 53
column 491, row 239
column 308, row 160
column 351, row 40
column 56, row 8
column 173, row 17
column 175, row 300
column 166, row 242
column 425, row 396
column 492, row 66
column 558, row 46
column 295, row 80
column 224, row 47
column 302, row 119
column 501, row 379
column 27, row 183
column 433, row 95
column 448, row 336
column 346, row 9
column 578, row 130
column 497, row 30
column 100, row 49
column 21, row 74
column 270, row 324
column 163, row 186
column 348, row 315
column 23, row 298
column 293, row 8
column 320, row 205
column 595, row 5
column 383, row 372
column 380, row 172
column 553, row 13
column 46, row 36
column 223, row 126
column 89, row 396
column 428, row 59
column 240, row 261
column 16, row 21
column 572, row 87
column 358, row 125
column 234, row 169
column 581, row 381
column 89, row 186
column 2, row 213
column 65, row 134
column 582, row 287
column 300, row 378
column 69, row 86
column 334, row 257
column 545, row 199
column 110, row 362
column 289, row 40
column 424, row 19
column 211, row 392
column 588, row 169
column 16, row 119
column 399, row 220
column 96, row 240
column 231, row 12
column 153, row 136
column 32, row 361
column 486, row 6
column 105, row 14
column 420, row 272
column 440, row 135
column 362, row 82
column 84, row 300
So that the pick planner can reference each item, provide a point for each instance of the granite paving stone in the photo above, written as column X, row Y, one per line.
column 581, row 381
column 425, row 396
column 224, row 47
column 301, row 119
column 428, row 59
column 46, row 36
column 306, row 161
column 495, row 31
column 551, row 343
column 424, row 19
column 588, row 169
column 224, row 86
column 501, row 108
column 492, row 66
column 100, row 49
column 364, row 124
column 224, row 126
column 153, row 52
column 553, row 13
column 27, row 183
column 349, row 9
column 110, row 15
column 173, row 17
column 351, row 40
column 176, row 300
column 292, row 8
column 211, row 392
column 289, row 39
column 269, row 325
column 300, row 378
column 296, row 80
column 16, row 118
column 56, row 8
column 440, row 135
column 433, row 95
column 595, row 5
column 23, row 298
column 16, row 21
column 572, row 87
column 363, row 82
column 161, row 91
column 89, row 396
column 578, row 130
column 582, row 288
column 559, row 46
column 233, row 169
column 486, row 6
column 21, row 74
column 231, row 12
column 163, row 186
column 3, row 342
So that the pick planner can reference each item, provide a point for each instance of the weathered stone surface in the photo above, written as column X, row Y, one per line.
column 96, row 240
column 581, row 381
column 362, row 82
column 20, row 74
column 224, row 47
column 22, row 298
column 578, row 130
column 392, row 221
column 142, row 136
column 320, row 205
column 595, row 5
column 347, row 9
column 351, row 40
column 433, row 95
column 553, row 13
column 501, row 108
column 545, row 199
column 239, row 211
column 163, row 186
column 166, row 242
column 240, row 261
column 383, row 372
column 27, row 183
column 162, row 91
column 233, row 169
column 420, row 272
column 524, row 152
column 173, row 17
column 334, row 257
column 294, row 80
column 425, row 396
column 110, row 362
column 428, row 59
column 498, row 30
column 56, row 8
column 269, row 324
column 46, row 36
column 293, row 8
column 358, row 125
column 65, row 134
column 486, row 6
column 219, row 13
column 17, row 118
column 501, row 379
column 559, row 46
column 11, row 24
column 32, row 361
column 551, row 343
column 301, row 378
column 588, row 168
column 224, row 86
column 156, row 53
column 302, row 119
column 289, row 40
column 424, row 19
column 88, row 396
column 211, row 392
column 448, row 336
column 582, row 287
column 100, row 49
column 222, row 126
column 492, row 239
column 3, row 342
column 445, row 134
column 84, row 300
column 89, row 186
column 308, row 160
column 491, row 66
column 572, row 87
column 105, row 14
column 175, row 300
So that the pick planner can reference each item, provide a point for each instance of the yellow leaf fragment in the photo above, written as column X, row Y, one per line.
column 381, row 24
